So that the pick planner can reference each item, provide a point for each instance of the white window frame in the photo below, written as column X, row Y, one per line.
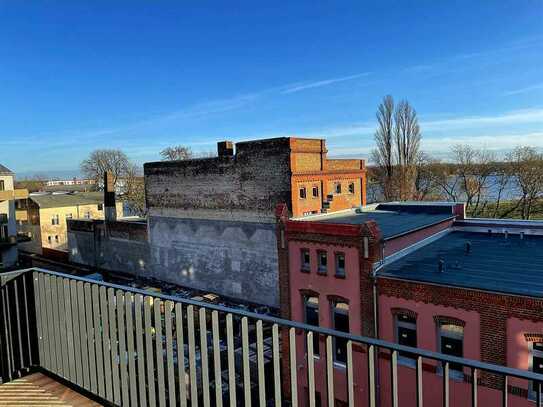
column 404, row 360
column 453, row 374
column 539, row 354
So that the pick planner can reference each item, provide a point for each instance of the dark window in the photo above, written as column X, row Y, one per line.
column 305, row 259
column 337, row 188
column 2, row 185
column 56, row 238
column 312, row 318
column 537, row 366
column 100, row 207
column 451, row 339
column 55, row 220
column 315, row 192
column 323, row 262
column 340, row 264
column 340, row 316
column 302, row 193
column 351, row 188
column 406, row 334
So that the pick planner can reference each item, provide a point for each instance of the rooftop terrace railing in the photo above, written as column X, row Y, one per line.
column 129, row 347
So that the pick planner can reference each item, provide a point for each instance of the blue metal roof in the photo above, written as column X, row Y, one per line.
column 494, row 263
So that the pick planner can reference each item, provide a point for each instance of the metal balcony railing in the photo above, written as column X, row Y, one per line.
column 129, row 347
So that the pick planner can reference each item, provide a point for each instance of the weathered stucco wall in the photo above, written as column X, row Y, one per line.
column 232, row 258
column 246, row 186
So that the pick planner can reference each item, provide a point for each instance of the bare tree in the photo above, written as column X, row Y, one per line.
column 176, row 153
column 447, row 180
column 100, row 161
column 134, row 194
column 425, row 182
column 527, row 169
column 383, row 155
column 407, row 138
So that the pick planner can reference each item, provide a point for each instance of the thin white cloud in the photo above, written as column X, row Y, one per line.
column 497, row 142
column 524, row 90
column 310, row 85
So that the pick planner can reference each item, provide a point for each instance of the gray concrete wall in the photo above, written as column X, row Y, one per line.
column 232, row 258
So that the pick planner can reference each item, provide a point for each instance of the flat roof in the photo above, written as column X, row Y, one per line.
column 494, row 263
column 51, row 200
column 394, row 219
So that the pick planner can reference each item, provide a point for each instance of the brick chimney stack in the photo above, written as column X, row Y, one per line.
column 110, row 211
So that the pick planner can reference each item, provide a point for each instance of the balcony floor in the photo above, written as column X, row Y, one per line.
column 38, row 390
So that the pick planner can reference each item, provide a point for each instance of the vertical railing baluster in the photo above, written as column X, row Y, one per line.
column 56, row 326
column 350, row 378
column 72, row 376
column 149, row 351
column 106, row 342
column 159, row 353
column 123, row 361
column 204, row 361
column 260, row 364
column 138, row 316
column 420, row 395
column 83, row 335
column 231, row 361
column 293, row 367
column 115, row 357
column 276, row 365
column 474, row 375
column 168, row 305
column 216, row 358
column 7, row 329
column 180, row 345
column 192, row 357
column 18, row 321
column 371, row 376
column 245, row 356
column 394, row 378
column 310, row 369
column 39, row 327
column 98, row 341
column 129, row 306
column 76, row 332
column 330, row 371
column 27, row 284
column 446, row 384
column 505, row 391
column 90, row 339
column 63, row 330
column 538, row 394
column 50, row 324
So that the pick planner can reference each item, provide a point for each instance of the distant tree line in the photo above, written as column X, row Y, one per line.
column 401, row 171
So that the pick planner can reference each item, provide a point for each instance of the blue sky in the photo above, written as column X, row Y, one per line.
column 142, row 75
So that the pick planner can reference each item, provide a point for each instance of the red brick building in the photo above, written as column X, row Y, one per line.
column 423, row 276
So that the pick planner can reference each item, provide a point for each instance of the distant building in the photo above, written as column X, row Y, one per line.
column 422, row 275
column 8, row 230
column 42, row 218
column 69, row 182
column 211, row 221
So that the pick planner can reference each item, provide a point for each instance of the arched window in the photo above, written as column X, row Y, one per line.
column 451, row 340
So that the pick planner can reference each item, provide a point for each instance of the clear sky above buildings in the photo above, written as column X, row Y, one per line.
column 142, row 75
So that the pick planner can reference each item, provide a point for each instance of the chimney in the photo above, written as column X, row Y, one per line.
column 110, row 212
column 225, row 148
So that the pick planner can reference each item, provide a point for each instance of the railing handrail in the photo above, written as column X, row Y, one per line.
column 379, row 343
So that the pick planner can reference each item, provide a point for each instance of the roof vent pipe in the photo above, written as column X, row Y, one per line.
column 441, row 265
column 506, row 234
column 521, row 235
column 468, row 247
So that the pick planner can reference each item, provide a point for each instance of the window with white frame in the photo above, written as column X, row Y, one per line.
column 303, row 193
column 351, row 188
column 311, row 317
column 55, row 220
column 305, row 259
column 536, row 366
column 340, row 264
column 2, row 185
column 340, row 320
column 337, row 187
column 315, row 192
column 406, row 334
column 323, row 262
column 451, row 342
